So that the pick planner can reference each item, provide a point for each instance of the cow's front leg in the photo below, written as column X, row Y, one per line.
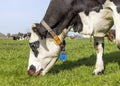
column 99, row 46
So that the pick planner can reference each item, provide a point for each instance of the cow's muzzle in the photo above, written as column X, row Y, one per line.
column 33, row 73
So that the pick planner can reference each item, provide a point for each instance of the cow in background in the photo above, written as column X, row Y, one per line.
column 21, row 36
column 27, row 35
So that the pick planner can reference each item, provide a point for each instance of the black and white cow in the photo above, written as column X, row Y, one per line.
column 93, row 17
column 21, row 36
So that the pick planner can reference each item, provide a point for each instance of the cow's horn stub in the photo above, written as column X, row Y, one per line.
column 33, row 25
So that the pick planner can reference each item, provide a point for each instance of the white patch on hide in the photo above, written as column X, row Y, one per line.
column 96, row 24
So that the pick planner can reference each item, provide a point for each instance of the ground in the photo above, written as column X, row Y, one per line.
column 76, row 71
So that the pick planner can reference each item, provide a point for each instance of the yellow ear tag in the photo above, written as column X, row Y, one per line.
column 58, row 41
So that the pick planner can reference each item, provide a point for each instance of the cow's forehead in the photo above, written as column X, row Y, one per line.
column 34, row 37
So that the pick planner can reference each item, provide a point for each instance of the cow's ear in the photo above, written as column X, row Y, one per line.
column 35, row 29
column 34, row 34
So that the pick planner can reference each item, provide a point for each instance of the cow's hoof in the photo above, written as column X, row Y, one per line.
column 98, row 72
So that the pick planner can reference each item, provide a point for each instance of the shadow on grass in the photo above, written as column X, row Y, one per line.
column 88, row 61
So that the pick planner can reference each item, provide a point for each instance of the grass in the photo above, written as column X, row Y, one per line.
column 76, row 71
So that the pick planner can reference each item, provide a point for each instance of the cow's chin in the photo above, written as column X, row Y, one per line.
column 42, row 71
column 33, row 73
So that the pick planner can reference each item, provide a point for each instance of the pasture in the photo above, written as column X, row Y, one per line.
column 76, row 71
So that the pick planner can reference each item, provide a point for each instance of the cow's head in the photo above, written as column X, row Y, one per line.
column 44, row 52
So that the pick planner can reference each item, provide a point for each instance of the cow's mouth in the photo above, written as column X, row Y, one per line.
column 33, row 73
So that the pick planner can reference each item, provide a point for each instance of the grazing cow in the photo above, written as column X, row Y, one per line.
column 93, row 17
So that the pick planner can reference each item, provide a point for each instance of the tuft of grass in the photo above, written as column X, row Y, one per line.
column 76, row 71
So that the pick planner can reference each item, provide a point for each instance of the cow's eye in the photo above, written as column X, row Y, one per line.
column 34, row 46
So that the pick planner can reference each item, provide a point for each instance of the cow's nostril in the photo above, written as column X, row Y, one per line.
column 32, row 67
column 31, row 70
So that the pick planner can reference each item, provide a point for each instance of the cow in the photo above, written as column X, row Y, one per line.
column 93, row 17
column 21, row 36
column 27, row 35
column 15, row 37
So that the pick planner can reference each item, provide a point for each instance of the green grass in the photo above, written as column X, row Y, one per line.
column 76, row 71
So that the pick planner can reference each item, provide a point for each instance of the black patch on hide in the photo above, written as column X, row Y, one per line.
column 34, row 46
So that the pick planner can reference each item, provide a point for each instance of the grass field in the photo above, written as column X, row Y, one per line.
column 76, row 71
